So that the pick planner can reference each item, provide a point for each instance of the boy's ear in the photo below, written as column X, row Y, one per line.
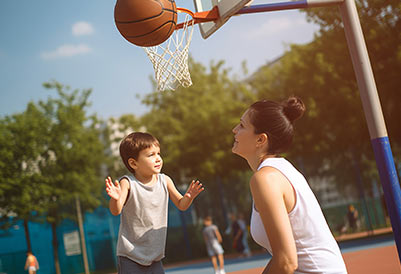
column 132, row 163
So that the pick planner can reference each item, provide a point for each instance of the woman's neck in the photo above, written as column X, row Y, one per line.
column 255, row 162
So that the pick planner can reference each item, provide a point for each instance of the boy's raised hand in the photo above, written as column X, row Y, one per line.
column 113, row 190
column 194, row 189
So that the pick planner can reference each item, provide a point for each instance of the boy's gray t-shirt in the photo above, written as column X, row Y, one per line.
column 143, row 222
column 209, row 232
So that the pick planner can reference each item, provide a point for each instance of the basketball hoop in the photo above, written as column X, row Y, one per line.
column 170, row 59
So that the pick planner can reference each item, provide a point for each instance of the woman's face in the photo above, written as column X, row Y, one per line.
column 244, row 137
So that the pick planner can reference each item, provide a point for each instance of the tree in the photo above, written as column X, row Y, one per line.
column 321, row 73
column 334, row 113
column 73, row 171
column 22, row 149
column 194, row 126
column 116, row 130
column 381, row 22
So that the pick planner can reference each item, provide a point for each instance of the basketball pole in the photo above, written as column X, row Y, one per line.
column 374, row 115
column 369, row 97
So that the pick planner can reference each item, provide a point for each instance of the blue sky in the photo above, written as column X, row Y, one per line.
column 76, row 43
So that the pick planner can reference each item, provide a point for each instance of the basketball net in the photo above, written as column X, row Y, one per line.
column 170, row 58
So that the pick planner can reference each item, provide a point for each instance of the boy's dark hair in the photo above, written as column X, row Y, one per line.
column 208, row 218
column 134, row 143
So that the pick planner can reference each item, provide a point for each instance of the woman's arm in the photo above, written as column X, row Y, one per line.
column 268, row 190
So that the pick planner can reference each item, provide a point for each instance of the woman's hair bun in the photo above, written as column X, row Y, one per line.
column 293, row 108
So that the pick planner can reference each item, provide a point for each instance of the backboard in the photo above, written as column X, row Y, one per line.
column 227, row 8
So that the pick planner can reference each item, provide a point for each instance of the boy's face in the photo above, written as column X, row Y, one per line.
column 149, row 161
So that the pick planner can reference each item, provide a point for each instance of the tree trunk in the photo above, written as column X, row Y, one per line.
column 55, row 249
column 27, row 237
column 82, row 234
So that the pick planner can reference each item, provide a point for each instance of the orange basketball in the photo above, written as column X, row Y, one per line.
column 145, row 23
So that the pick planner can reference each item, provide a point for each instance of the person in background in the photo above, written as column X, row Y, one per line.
column 352, row 217
column 213, row 241
column 31, row 264
column 243, row 226
column 237, row 234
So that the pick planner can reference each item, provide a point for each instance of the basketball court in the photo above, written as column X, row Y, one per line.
column 372, row 255
column 170, row 62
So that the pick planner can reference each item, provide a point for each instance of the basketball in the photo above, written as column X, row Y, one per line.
column 145, row 23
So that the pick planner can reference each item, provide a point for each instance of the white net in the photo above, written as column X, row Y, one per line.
column 170, row 59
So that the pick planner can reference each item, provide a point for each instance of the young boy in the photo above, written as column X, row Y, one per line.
column 142, row 199
column 213, row 241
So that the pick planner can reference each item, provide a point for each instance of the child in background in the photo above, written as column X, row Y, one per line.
column 213, row 242
column 31, row 263
column 142, row 200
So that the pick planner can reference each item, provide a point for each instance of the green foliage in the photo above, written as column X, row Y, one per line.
column 22, row 150
column 381, row 24
column 74, row 169
column 194, row 126
column 117, row 129
column 333, row 136
column 54, row 150
column 50, row 154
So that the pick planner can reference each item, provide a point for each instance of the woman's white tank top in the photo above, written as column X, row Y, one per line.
column 317, row 250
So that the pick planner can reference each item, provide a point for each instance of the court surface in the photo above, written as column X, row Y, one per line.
column 371, row 255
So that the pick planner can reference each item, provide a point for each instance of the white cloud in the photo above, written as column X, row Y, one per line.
column 82, row 28
column 66, row 51
column 275, row 26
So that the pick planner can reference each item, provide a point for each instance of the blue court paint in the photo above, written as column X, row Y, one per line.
column 375, row 241
column 230, row 265
column 390, row 183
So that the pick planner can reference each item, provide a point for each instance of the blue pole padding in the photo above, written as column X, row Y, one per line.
column 391, row 185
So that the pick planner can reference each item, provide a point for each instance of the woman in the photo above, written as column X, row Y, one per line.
column 286, row 217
